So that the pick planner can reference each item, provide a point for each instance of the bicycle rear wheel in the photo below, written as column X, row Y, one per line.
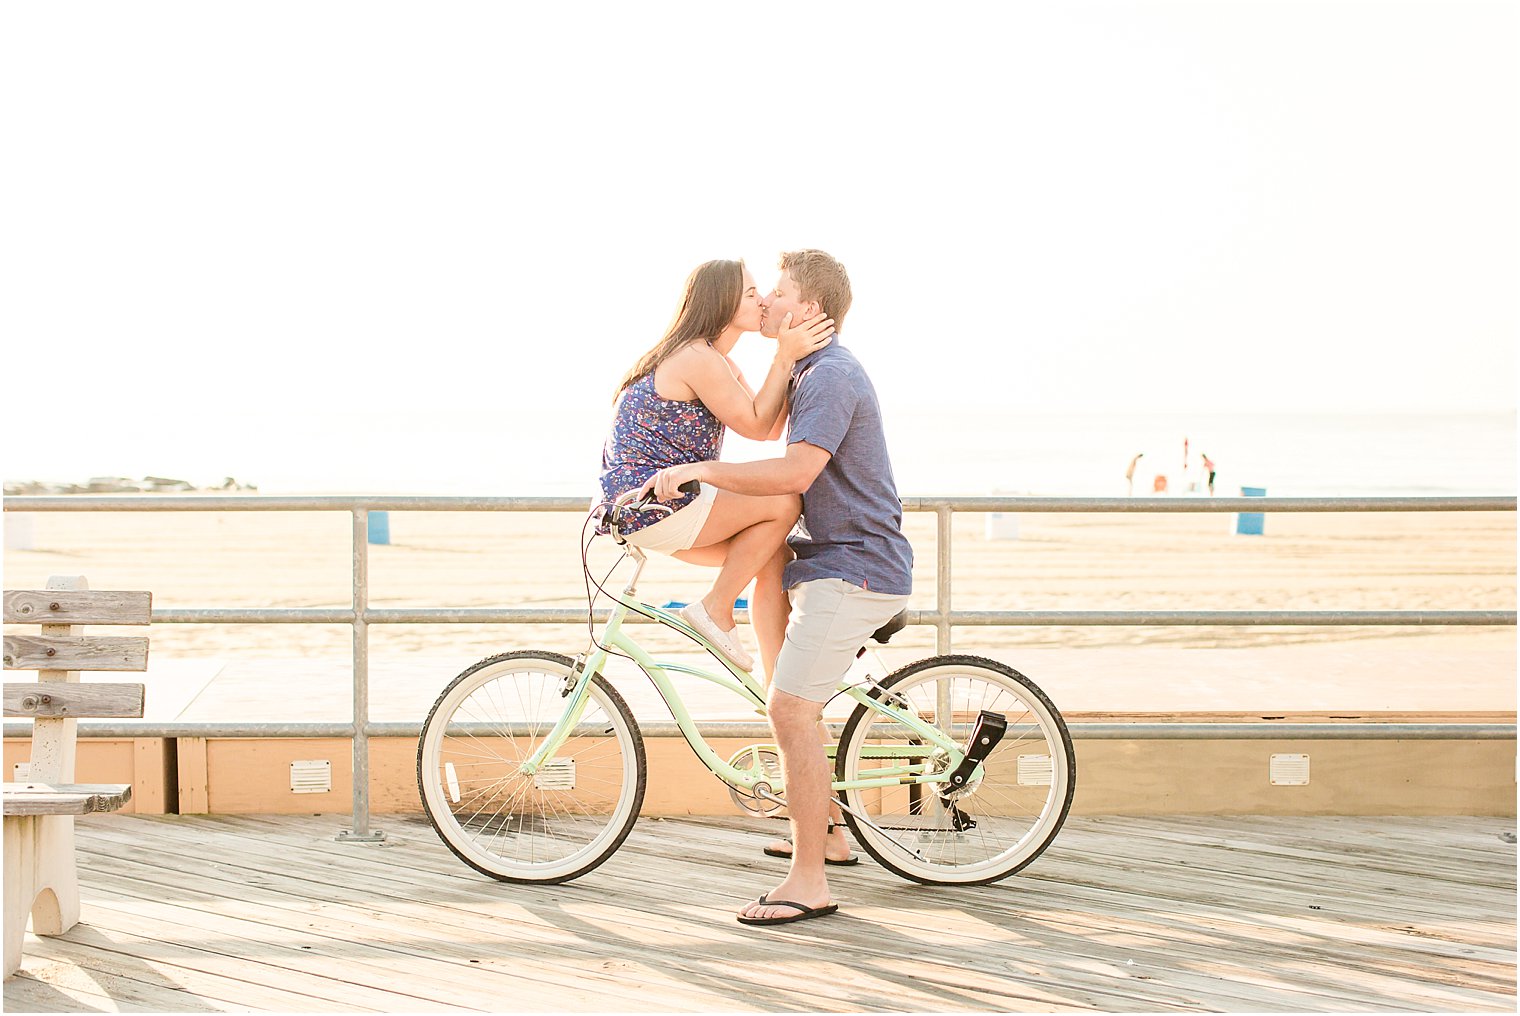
column 1001, row 819
column 550, row 825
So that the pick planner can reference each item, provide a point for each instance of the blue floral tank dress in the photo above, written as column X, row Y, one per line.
column 650, row 433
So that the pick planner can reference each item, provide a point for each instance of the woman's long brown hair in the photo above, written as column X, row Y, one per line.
column 709, row 303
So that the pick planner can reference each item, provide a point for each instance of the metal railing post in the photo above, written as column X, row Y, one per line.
column 361, row 831
column 942, row 580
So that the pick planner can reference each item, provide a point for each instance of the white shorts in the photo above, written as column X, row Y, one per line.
column 678, row 531
column 831, row 619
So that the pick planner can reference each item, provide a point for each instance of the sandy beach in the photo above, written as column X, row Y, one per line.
column 1370, row 561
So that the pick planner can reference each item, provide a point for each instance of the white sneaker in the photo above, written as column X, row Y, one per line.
column 726, row 642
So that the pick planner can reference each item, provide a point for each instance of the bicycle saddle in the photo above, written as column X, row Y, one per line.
column 898, row 623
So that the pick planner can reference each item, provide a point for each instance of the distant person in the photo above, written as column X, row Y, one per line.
column 1129, row 474
column 1208, row 467
column 673, row 408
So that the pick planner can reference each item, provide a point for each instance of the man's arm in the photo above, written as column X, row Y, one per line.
column 790, row 475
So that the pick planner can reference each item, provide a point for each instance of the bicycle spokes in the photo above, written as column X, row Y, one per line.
column 507, row 806
column 1014, row 767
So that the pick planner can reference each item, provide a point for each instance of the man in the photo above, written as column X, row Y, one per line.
column 853, row 569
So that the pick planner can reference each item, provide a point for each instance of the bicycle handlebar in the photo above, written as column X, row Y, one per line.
column 626, row 502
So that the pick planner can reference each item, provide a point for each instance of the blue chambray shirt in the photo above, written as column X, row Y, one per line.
column 851, row 526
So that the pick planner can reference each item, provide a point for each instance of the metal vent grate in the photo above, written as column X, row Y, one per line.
column 555, row 774
column 1036, row 770
column 1289, row 770
column 311, row 777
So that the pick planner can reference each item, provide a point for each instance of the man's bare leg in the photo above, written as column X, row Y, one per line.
column 837, row 846
column 769, row 610
column 796, row 722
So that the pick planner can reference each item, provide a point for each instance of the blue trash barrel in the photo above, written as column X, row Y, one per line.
column 1251, row 523
column 380, row 528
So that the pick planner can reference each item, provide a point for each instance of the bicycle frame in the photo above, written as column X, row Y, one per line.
column 614, row 638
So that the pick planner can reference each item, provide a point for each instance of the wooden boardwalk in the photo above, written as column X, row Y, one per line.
column 215, row 913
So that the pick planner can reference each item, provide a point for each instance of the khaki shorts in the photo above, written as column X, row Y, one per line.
column 831, row 620
column 678, row 531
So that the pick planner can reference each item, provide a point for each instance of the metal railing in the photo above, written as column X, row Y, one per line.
column 943, row 618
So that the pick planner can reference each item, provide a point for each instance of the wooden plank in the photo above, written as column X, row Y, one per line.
column 75, row 652
column 132, row 991
column 58, row 699
column 62, row 606
column 135, row 941
column 64, row 798
column 440, row 937
column 193, row 777
column 1250, row 950
column 1314, row 863
column 53, row 740
column 113, row 953
column 452, row 932
column 1102, row 924
column 612, row 965
column 639, row 910
column 150, row 774
column 27, row 994
column 730, row 860
column 344, row 957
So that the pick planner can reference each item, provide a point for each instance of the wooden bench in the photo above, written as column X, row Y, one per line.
column 41, row 880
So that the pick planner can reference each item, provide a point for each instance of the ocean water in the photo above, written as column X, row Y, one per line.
column 1289, row 455
column 987, row 452
column 529, row 451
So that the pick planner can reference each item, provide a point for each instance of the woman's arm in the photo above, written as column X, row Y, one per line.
column 739, row 376
column 780, row 427
column 722, row 389
column 780, row 420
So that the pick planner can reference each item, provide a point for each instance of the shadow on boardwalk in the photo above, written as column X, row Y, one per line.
column 208, row 913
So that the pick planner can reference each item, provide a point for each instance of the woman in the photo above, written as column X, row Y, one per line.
column 672, row 408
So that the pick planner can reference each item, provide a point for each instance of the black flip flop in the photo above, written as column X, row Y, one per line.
column 787, row 854
column 803, row 913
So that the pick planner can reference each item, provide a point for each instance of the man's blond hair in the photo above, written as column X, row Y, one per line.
column 820, row 277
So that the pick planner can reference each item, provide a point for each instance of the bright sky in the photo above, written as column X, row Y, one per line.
column 286, row 208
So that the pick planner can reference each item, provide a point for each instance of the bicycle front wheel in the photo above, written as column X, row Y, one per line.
column 546, row 823
column 1002, row 818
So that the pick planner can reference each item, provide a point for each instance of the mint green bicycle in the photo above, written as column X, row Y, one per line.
column 952, row 770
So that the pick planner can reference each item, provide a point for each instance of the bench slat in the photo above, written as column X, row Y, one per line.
column 77, row 606
column 75, row 652
column 61, row 699
column 64, row 798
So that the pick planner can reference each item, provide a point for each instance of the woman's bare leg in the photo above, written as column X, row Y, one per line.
column 751, row 530
column 769, row 609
